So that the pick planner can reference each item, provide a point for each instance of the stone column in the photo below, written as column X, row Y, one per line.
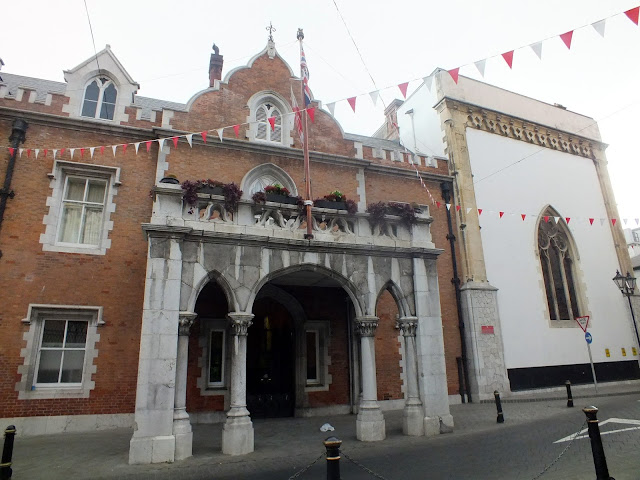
column 237, row 432
column 413, row 415
column 181, row 424
column 370, row 425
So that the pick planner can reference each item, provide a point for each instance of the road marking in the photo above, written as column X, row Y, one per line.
column 624, row 421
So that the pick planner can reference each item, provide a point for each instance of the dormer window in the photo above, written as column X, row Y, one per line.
column 264, row 131
column 100, row 99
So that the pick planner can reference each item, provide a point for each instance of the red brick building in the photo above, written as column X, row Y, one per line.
column 126, row 302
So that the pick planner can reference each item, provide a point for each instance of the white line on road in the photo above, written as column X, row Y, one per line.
column 626, row 421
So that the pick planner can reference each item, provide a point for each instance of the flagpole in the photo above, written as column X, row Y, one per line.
column 305, row 148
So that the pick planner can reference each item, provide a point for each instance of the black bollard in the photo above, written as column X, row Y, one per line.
column 599, row 460
column 7, row 453
column 332, row 444
column 500, row 418
column 569, row 396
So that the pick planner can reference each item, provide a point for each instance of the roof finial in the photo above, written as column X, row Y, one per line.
column 271, row 29
column 300, row 35
column 216, row 50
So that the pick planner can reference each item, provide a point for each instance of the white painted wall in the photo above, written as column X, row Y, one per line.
column 569, row 184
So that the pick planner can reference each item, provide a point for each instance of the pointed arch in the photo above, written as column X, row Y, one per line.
column 199, row 285
column 558, row 257
column 399, row 297
column 266, row 174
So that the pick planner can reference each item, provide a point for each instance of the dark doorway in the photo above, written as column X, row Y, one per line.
column 270, row 361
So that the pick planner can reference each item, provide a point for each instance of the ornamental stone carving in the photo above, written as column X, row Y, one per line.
column 366, row 325
column 240, row 323
column 408, row 326
column 185, row 321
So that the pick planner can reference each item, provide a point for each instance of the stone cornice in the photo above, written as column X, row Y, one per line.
column 189, row 234
column 516, row 128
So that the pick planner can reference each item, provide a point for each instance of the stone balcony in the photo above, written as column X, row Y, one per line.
column 284, row 223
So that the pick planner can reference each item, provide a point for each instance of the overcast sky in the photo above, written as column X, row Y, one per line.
column 165, row 46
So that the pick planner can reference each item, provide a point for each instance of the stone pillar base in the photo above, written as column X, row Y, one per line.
column 237, row 436
column 182, row 432
column 412, row 420
column 160, row 449
column 431, row 426
column 446, row 423
column 370, row 425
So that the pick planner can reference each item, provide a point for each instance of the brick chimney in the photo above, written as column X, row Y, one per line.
column 215, row 66
column 391, row 120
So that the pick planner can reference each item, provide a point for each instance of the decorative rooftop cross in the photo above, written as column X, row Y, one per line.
column 271, row 29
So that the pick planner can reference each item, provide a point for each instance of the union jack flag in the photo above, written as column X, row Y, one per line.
column 305, row 77
column 298, row 116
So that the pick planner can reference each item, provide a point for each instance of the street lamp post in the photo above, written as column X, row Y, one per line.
column 627, row 286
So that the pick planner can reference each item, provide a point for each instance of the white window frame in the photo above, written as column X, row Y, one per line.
column 257, row 101
column 64, row 349
column 102, row 87
column 84, row 204
column 323, row 359
column 221, row 383
column 316, row 380
column 207, row 325
column 58, row 181
column 27, row 387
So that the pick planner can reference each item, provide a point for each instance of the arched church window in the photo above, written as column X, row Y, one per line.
column 264, row 175
column 557, row 258
column 264, row 130
column 100, row 99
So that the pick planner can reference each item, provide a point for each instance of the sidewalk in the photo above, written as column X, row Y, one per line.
column 290, row 443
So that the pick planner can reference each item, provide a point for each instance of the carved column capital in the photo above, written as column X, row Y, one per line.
column 185, row 321
column 407, row 325
column 366, row 325
column 240, row 322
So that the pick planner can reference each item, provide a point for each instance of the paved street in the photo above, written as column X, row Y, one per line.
column 478, row 449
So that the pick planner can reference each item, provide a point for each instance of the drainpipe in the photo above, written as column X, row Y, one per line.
column 446, row 196
column 19, row 129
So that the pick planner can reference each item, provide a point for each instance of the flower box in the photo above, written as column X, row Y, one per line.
column 330, row 204
column 209, row 190
column 273, row 197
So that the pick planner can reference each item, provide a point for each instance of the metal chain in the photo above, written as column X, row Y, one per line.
column 561, row 453
column 296, row 475
column 358, row 464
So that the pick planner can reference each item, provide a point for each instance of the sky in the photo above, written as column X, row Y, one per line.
column 165, row 46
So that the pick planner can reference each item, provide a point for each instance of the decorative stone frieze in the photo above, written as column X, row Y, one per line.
column 366, row 326
column 240, row 323
column 185, row 321
column 407, row 326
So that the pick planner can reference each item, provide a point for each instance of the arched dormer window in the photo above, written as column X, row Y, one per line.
column 100, row 99
column 264, row 130
column 558, row 262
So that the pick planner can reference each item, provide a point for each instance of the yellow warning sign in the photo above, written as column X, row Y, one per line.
column 635, row 352
column 624, row 352
column 606, row 352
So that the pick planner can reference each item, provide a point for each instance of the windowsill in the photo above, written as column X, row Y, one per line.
column 48, row 393
column 563, row 324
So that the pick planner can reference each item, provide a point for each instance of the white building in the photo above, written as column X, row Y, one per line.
column 539, row 235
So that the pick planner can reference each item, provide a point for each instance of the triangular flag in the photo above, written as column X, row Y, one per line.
column 311, row 111
column 20, row 150
column 204, row 136
column 189, row 139
column 71, row 152
column 523, row 215
column 457, row 208
column 591, row 221
column 633, row 14
column 567, row 219
column 161, row 143
column 454, row 74
column 37, row 150
column 613, row 221
column 428, row 82
column 480, row 64
column 82, row 152
column 448, row 206
column 374, row 97
column 468, row 210
column 546, row 218
column 508, row 57
column 137, row 145
column 479, row 211
column 624, row 220
column 148, row 143
column 236, row 129
column 61, row 151
column 501, row 214
column 602, row 220
column 29, row 153
column 637, row 221
column 91, row 151
column 175, row 142
column 102, row 150
column 55, row 151
column 124, row 148
column 352, row 102
column 272, row 122
column 566, row 38
column 403, row 88
column 220, row 132
column 45, row 153
column 113, row 147
column 537, row 49
column 557, row 219
column 332, row 107
column 438, row 204
column 11, row 150
column 599, row 27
